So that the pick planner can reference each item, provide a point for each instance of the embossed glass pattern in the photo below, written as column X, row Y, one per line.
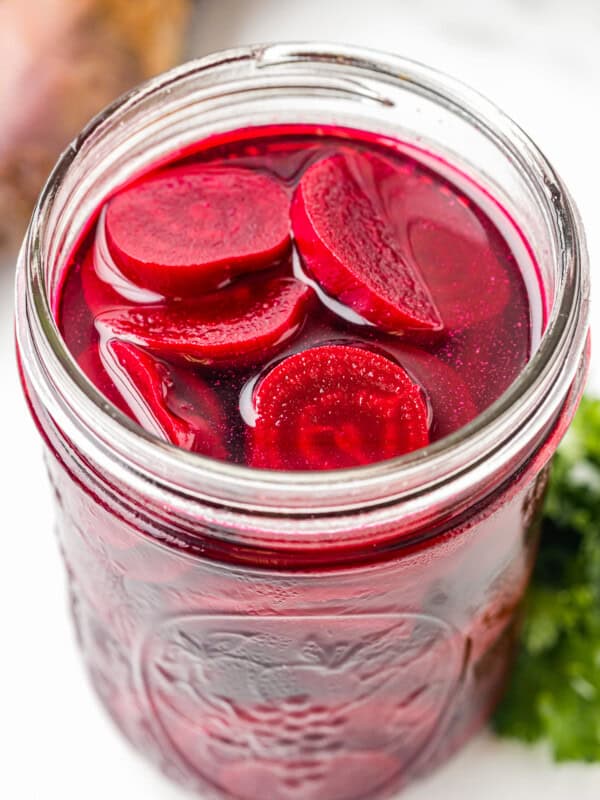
column 336, row 684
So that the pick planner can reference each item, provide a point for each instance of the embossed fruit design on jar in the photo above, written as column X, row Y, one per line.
column 301, row 335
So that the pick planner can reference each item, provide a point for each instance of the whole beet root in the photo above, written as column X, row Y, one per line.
column 62, row 61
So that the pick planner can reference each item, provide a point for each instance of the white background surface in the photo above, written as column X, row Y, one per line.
column 540, row 61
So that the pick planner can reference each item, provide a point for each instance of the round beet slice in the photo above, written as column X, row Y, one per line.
column 398, row 244
column 350, row 247
column 493, row 354
column 449, row 397
column 335, row 406
column 248, row 321
column 91, row 364
column 191, row 228
column 103, row 284
column 178, row 408
column 458, row 250
column 98, row 294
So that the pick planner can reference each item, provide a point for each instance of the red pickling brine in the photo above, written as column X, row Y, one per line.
column 269, row 258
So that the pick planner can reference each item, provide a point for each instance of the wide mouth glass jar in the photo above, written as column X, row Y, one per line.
column 315, row 635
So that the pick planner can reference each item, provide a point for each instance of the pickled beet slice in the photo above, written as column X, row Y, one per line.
column 335, row 406
column 91, row 364
column 191, row 228
column 103, row 284
column 248, row 321
column 348, row 244
column 403, row 250
column 179, row 409
column 450, row 400
column 491, row 356
column 98, row 294
column 456, row 248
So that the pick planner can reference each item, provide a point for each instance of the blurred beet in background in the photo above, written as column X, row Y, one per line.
column 62, row 61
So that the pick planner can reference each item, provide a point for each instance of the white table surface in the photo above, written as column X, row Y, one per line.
column 540, row 61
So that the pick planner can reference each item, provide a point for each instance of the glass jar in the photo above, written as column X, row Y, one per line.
column 301, row 635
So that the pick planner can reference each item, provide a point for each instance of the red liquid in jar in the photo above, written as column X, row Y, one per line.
column 297, row 298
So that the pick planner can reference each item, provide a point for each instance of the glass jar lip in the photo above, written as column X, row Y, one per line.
column 494, row 437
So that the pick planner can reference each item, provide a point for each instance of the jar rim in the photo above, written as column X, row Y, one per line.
column 472, row 453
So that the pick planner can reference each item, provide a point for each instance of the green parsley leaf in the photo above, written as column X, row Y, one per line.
column 554, row 689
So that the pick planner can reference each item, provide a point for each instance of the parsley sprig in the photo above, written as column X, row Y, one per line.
column 554, row 690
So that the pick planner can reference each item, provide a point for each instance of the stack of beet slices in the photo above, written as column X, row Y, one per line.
column 195, row 283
